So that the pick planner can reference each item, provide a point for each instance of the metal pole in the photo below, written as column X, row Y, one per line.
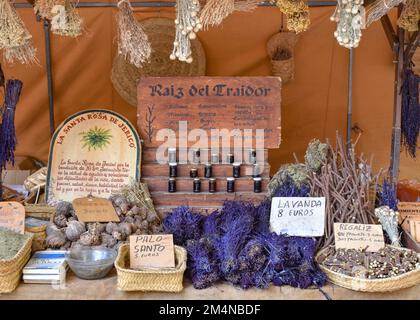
column 49, row 75
column 396, row 128
column 350, row 101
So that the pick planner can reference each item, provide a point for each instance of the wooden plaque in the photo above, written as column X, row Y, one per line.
column 12, row 216
column 92, row 152
column 91, row 209
column 243, row 104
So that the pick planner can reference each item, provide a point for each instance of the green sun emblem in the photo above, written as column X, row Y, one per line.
column 96, row 138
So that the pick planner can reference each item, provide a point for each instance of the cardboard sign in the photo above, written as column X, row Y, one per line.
column 152, row 251
column 240, row 105
column 408, row 211
column 92, row 209
column 298, row 216
column 12, row 216
column 92, row 152
column 359, row 236
column 415, row 229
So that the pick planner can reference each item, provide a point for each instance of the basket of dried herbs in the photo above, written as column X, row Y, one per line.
column 389, row 269
column 15, row 251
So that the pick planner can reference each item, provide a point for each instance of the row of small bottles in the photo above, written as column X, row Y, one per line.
column 230, row 185
column 252, row 157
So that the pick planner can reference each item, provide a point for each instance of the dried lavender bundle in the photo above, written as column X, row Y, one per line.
column 15, row 39
column 133, row 43
column 184, row 224
column 410, row 113
column 387, row 195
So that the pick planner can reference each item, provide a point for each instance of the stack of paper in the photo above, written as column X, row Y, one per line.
column 46, row 267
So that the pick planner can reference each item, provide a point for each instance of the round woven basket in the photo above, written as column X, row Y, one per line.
column 285, row 69
column 405, row 280
column 161, row 34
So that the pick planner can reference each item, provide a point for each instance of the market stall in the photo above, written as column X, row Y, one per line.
column 170, row 150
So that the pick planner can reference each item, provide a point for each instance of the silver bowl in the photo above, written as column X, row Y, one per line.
column 91, row 263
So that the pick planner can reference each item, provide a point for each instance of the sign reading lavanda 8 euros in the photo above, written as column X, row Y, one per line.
column 298, row 216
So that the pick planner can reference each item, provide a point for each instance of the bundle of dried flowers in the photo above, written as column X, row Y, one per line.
column 410, row 16
column 66, row 20
column 378, row 9
column 297, row 13
column 133, row 43
column 15, row 39
column 187, row 24
column 349, row 15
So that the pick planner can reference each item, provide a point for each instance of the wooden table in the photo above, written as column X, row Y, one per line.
column 106, row 289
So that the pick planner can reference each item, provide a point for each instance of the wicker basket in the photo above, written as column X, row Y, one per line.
column 405, row 280
column 40, row 235
column 11, row 270
column 150, row 280
column 285, row 69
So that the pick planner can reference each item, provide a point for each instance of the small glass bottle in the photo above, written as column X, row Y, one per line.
column 193, row 173
column 173, row 170
column 215, row 158
column 256, row 170
column 230, row 185
column 208, row 172
column 196, row 155
column 212, row 185
column 252, row 156
column 230, row 158
column 171, row 185
column 257, row 185
column 171, row 155
column 236, row 170
column 197, row 185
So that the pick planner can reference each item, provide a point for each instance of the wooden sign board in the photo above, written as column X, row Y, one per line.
column 152, row 251
column 359, row 236
column 92, row 152
column 12, row 216
column 210, row 103
column 91, row 209
column 414, row 225
column 298, row 216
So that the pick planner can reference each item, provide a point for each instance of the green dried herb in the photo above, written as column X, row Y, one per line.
column 10, row 243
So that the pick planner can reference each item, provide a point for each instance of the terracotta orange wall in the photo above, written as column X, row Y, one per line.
column 314, row 104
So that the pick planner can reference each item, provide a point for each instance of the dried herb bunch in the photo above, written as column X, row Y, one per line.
column 43, row 8
column 66, row 20
column 387, row 262
column 410, row 16
column 215, row 11
column 133, row 43
column 15, row 39
column 297, row 13
column 235, row 245
column 380, row 8
column 349, row 187
column 10, row 243
column 134, row 208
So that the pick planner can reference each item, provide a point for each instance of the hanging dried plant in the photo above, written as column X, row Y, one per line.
column 297, row 13
column 410, row 16
column 133, row 43
column 15, row 39
column 378, row 9
column 43, row 8
column 187, row 23
column 349, row 17
column 215, row 11
column 66, row 20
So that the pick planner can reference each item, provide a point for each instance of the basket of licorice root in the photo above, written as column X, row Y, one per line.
column 388, row 269
column 15, row 251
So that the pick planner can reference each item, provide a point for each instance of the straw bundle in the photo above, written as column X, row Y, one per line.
column 66, row 20
column 133, row 43
column 378, row 9
column 297, row 13
column 410, row 16
column 43, row 8
column 215, row 11
column 15, row 39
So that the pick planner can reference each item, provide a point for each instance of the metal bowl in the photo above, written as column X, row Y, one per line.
column 91, row 263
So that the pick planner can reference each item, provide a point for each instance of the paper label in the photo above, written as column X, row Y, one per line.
column 12, row 216
column 359, row 236
column 92, row 209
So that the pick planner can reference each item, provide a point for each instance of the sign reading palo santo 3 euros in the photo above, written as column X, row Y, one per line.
column 200, row 111
column 92, row 152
